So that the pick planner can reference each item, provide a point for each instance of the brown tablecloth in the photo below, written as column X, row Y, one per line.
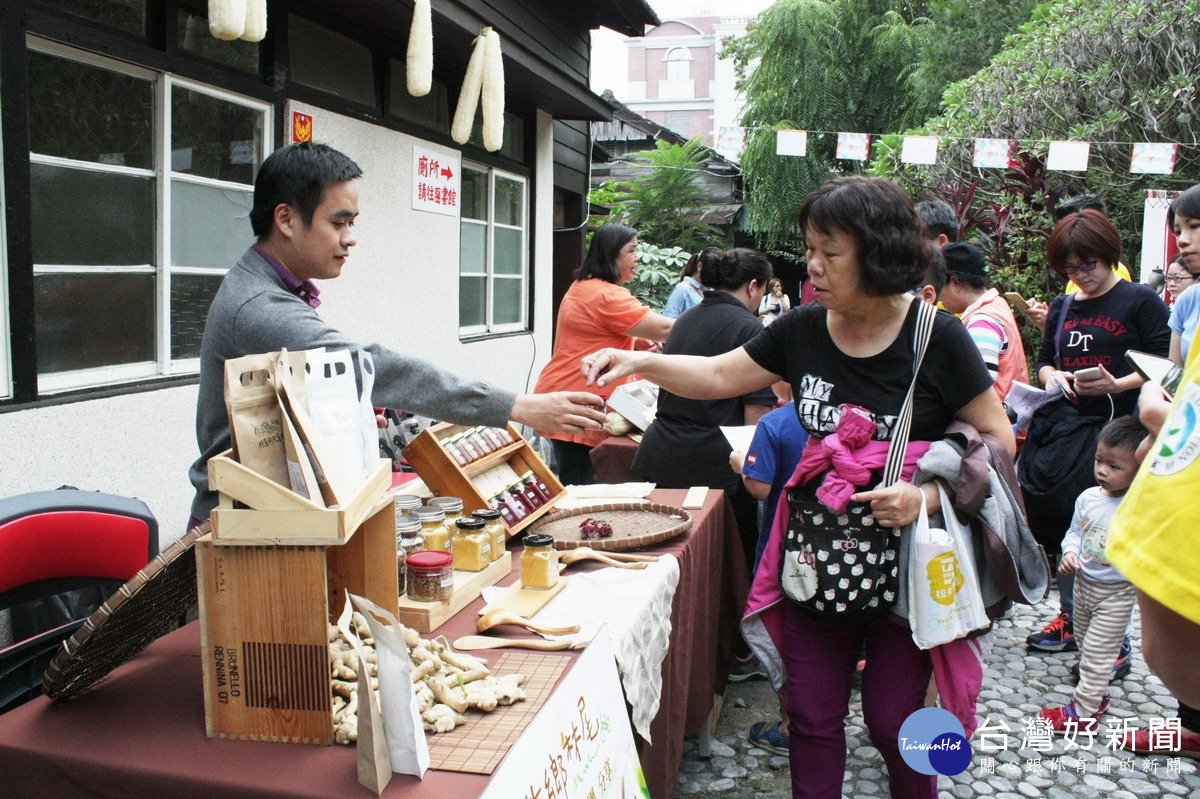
column 612, row 460
column 140, row 731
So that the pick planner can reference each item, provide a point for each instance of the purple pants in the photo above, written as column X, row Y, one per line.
column 821, row 660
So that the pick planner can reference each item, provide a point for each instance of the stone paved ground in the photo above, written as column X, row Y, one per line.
column 1018, row 684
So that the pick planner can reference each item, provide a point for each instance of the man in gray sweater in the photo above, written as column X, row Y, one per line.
column 305, row 205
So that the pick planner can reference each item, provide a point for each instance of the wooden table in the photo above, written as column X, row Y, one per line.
column 140, row 731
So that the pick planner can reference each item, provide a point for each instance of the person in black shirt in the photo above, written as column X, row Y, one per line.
column 1091, row 330
column 865, row 250
column 684, row 446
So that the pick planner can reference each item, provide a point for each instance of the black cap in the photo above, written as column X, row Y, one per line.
column 964, row 258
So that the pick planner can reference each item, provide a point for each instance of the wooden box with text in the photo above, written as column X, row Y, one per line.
column 264, row 611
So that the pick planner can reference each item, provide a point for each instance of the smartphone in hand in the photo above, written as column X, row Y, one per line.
column 1016, row 300
column 1156, row 369
column 1087, row 375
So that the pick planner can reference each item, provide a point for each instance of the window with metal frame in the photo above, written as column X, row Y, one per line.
column 493, row 282
column 141, row 186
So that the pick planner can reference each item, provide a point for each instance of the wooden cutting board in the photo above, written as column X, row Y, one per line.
column 525, row 601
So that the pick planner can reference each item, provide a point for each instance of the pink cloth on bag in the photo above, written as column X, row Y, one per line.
column 851, row 453
column 762, row 623
column 958, row 671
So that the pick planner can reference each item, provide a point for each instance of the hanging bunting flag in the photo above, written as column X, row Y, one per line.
column 791, row 142
column 1068, row 156
column 1153, row 158
column 919, row 150
column 992, row 153
column 853, row 146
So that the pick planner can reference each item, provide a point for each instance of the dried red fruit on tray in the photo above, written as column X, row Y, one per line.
column 591, row 528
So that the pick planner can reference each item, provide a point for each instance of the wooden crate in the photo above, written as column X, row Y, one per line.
column 445, row 477
column 274, row 514
column 263, row 616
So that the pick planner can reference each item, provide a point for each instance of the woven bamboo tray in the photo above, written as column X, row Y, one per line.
column 147, row 607
column 634, row 525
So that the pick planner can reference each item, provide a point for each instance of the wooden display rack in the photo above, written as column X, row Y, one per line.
column 265, row 607
column 445, row 477
column 425, row 617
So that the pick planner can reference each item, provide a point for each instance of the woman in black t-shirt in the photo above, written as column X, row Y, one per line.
column 865, row 250
column 1086, row 337
column 685, row 447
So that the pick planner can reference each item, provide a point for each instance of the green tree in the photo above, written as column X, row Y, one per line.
column 1059, row 77
column 966, row 34
column 664, row 200
column 817, row 65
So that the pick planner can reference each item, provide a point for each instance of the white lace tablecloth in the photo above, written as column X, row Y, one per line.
column 636, row 606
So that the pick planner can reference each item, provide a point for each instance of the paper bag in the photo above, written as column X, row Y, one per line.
column 334, row 408
column 338, row 487
column 374, row 764
column 406, row 745
column 255, row 417
column 367, row 428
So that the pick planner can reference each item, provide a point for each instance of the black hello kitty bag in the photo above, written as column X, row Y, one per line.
column 845, row 567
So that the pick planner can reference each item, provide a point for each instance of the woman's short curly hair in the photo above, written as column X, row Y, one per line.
column 1088, row 236
column 893, row 254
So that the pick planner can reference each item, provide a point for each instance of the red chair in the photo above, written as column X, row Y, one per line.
column 62, row 553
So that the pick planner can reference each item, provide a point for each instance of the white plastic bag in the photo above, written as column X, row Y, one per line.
column 944, row 600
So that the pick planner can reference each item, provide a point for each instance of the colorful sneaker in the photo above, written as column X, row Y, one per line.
column 767, row 735
column 1139, row 741
column 1120, row 668
column 1059, row 717
column 1057, row 636
column 747, row 668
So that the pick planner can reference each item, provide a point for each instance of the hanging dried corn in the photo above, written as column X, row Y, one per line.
column 419, row 65
column 226, row 18
column 256, row 21
column 468, row 97
column 493, row 94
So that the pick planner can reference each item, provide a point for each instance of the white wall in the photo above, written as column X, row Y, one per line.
column 400, row 287
column 136, row 445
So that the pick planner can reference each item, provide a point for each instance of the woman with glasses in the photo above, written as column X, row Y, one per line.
column 1083, row 352
column 1179, row 279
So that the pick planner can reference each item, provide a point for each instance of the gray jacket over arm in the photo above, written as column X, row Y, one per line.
column 253, row 312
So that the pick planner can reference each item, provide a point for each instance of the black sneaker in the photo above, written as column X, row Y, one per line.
column 1120, row 668
column 747, row 668
column 1057, row 636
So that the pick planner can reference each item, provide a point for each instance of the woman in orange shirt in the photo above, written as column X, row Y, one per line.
column 596, row 312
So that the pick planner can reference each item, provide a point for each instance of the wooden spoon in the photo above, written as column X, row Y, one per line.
column 585, row 553
column 499, row 616
column 469, row 642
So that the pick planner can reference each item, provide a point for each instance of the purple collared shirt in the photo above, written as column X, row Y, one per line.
column 304, row 289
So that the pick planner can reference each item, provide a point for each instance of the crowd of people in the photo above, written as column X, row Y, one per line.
column 840, row 374
column 874, row 393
